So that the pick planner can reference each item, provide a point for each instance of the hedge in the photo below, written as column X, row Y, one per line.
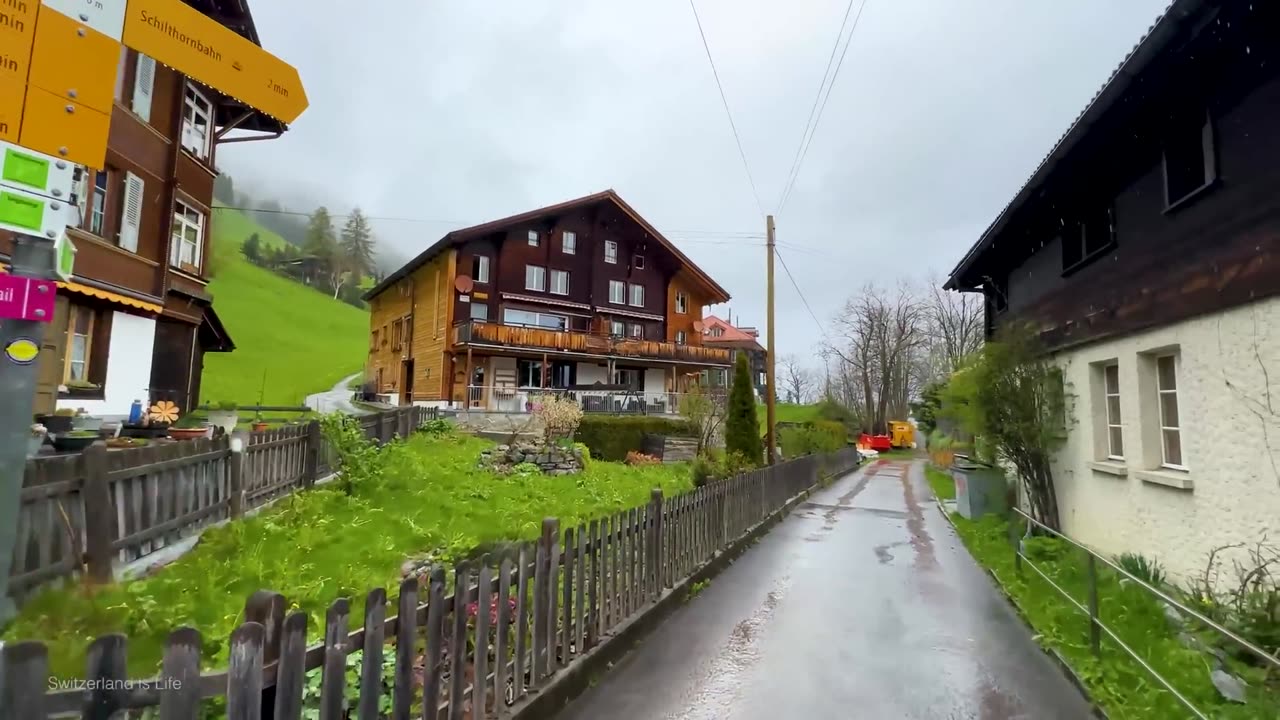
column 818, row 436
column 611, row 437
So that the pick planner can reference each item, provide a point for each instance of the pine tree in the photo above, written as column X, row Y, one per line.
column 252, row 249
column 321, row 240
column 358, row 243
column 742, row 426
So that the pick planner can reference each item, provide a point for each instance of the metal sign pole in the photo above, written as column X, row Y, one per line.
column 20, row 341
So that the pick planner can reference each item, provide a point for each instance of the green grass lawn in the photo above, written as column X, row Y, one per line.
column 1118, row 683
column 944, row 486
column 320, row 545
column 302, row 340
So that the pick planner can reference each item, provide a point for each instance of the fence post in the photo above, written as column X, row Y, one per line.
column 1013, row 542
column 1095, row 632
column 314, row 441
column 655, row 544
column 99, row 514
column 268, row 609
column 239, row 439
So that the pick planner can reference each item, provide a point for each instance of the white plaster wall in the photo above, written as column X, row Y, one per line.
column 128, row 367
column 589, row 372
column 1231, row 442
column 655, row 381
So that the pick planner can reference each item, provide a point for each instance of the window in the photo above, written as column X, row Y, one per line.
column 681, row 337
column 480, row 269
column 1170, row 427
column 1111, row 397
column 559, row 282
column 611, row 252
column 79, row 345
column 533, row 238
column 515, row 316
column 1088, row 237
column 617, row 328
column 637, row 295
column 637, row 331
column 144, row 78
column 569, row 243
column 197, row 123
column 397, row 334
column 639, row 263
column 627, row 377
column 187, row 237
column 617, row 292
column 535, row 277
column 98, row 209
column 1189, row 161
column 479, row 311
column 682, row 302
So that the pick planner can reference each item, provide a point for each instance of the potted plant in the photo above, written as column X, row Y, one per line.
column 259, row 425
column 75, row 441
column 39, row 433
column 189, row 427
column 84, row 421
column 224, row 415
column 59, row 422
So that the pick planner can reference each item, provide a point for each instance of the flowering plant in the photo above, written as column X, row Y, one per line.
column 474, row 608
column 561, row 416
column 38, row 430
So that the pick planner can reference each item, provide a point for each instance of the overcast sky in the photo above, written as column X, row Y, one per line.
column 463, row 112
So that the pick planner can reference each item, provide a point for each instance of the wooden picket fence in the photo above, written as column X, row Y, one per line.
column 100, row 509
column 510, row 624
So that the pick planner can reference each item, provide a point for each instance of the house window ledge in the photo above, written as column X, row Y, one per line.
column 1109, row 467
column 1169, row 478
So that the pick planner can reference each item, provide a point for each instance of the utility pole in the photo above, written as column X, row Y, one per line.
column 33, row 268
column 770, row 373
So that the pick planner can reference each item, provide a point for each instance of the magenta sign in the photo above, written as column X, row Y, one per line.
column 26, row 299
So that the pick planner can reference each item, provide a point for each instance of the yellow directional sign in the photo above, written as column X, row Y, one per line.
column 179, row 36
column 17, row 30
column 62, row 128
column 12, row 96
column 74, row 61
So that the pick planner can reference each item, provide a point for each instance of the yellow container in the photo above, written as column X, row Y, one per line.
column 902, row 434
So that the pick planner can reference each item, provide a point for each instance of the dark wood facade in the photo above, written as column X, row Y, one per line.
column 1163, row 202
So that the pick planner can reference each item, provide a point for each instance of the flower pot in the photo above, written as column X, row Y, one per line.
column 86, row 422
column 74, row 443
column 260, row 427
column 56, row 423
column 34, row 443
column 188, row 433
column 225, row 419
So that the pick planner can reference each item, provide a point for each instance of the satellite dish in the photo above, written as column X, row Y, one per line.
column 697, row 326
column 463, row 284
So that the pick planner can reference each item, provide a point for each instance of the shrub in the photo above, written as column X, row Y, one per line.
column 360, row 460
column 1148, row 571
column 560, row 415
column 817, row 437
column 639, row 458
column 703, row 470
column 713, row 466
column 742, row 425
column 436, row 427
column 611, row 437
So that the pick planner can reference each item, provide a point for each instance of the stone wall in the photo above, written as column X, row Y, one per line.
column 550, row 459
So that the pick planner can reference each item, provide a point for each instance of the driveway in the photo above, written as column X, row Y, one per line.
column 862, row 604
column 337, row 399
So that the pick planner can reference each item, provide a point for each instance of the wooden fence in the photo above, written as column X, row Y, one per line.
column 96, row 510
column 510, row 625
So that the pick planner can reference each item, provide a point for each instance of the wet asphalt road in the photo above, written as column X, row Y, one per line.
column 862, row 604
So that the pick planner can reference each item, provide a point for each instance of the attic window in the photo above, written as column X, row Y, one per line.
column 1190, row 164
column 1087, row 238
column 533, row 238
column 639, row 264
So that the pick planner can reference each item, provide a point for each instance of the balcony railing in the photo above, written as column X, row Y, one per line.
column 536, row 338
column 524, row 399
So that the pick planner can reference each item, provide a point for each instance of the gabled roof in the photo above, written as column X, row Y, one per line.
column 1159, row 37
column 717, row 294
column 734, row 337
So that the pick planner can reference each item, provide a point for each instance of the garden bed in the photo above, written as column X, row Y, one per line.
column 322, row 544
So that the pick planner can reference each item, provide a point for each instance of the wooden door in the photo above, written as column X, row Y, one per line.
column 49, row 368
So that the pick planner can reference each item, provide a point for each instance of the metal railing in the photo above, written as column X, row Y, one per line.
column 512, row 399
column 1091, row 607
column 487, row 332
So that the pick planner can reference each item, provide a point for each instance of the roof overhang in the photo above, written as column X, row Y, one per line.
column 1161, row 34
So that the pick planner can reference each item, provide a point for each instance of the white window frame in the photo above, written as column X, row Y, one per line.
column 1162, row 393
column 611, row 252
column 639, row 262
column 533, row 238
column 98, row 203
column 471, row 312
column 617, row 292
column 633, row 296
column 197, row 142
column 535, row 278
column 682, row 302
column 617, row 328
column 482, row 269
column 1115, row 424
column 637, row 331
column 178, row 240
column 569, row 242
column 681, row 337
column 555, row 286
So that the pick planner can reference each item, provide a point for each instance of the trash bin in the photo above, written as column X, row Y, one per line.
column 980, row 489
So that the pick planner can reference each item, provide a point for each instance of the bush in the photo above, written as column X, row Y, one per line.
column 639, row 458
column 817, row 437
column 1148, row 571
column 611, row 437
column 742, row 424
column 560, row 415
column 713, row 466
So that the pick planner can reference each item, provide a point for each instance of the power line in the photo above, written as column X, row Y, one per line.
column 786, row 195
column 736, row 138
column 808, row 123
column 796, row 285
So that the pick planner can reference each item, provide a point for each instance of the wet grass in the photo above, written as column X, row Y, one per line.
column 1116, row 681
column 944, row 486
column 319, row 545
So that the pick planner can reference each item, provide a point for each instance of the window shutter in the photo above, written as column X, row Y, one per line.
column 144, row 78
column 131, row 211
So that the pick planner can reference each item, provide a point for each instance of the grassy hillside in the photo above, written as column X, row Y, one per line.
column 303, row 340
column 789, row 412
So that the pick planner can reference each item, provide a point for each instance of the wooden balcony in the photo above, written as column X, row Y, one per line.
column 533, row 338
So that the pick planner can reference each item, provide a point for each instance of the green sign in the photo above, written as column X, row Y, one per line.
column 66, row 253
column 22, row 211
column 25, row 169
